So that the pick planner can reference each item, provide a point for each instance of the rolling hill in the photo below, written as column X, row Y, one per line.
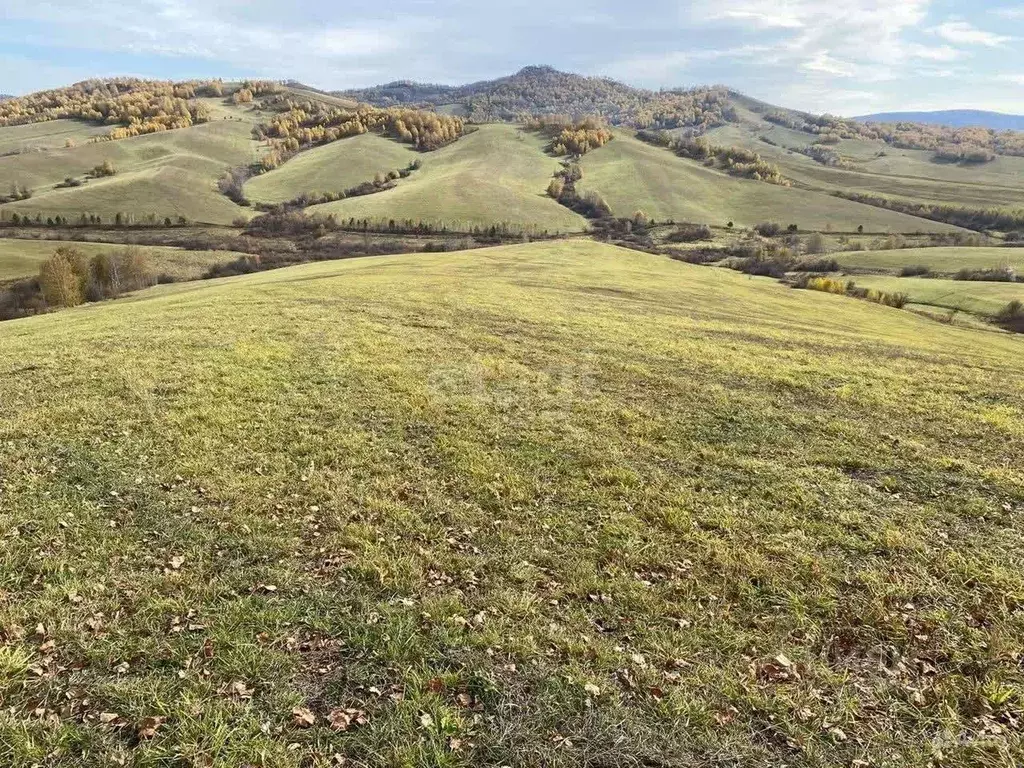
column 332, row 167
column 632, row 175
column 166, row 174
column 525, row 505
column 997, row 121
column 497, row 174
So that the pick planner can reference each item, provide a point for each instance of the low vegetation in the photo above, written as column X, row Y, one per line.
column 850, row 288
column 735, row 161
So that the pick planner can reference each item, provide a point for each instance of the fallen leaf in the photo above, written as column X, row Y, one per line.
column 592, row 689
column 108, row 717
column 302, row 717
column 426, row 720
column 176, row 562
column 149, row 725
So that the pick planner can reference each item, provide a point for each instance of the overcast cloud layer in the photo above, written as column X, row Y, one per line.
column 841, row 56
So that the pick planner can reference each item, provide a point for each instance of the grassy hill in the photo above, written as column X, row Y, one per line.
column 876, row 167
column 630, row 174
column 947, row 261
column 496, row 174
column 21, row 258
column 54, row 134
column 980, row 298
column 333, row 167
column 549, row 504
column 173, row 173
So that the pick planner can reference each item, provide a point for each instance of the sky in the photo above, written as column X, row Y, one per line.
column 847, row 57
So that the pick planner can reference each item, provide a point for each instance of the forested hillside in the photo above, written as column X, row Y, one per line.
column 543, row 90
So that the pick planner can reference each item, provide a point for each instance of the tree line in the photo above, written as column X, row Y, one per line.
column 69, row 278
column 998, row 219
column 300, row 125
column 134, row 106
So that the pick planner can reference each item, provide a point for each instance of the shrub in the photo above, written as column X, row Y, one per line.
column 827, row 284
column 816, row 243
column 691, row 233
column 768, row 229
column 818, row 265
column 990, row 275
column 914, row 270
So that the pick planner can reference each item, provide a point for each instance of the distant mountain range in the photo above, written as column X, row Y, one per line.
column 957, row 118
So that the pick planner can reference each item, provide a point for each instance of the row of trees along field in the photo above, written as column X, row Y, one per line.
column 970, row 144
column 568, row 136
column 735, row 161
column 311, row 123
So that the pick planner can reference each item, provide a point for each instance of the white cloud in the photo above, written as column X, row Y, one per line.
column 967, row 34
column 940, row 53
column 1015, row 12
column 822, row 62
column 1015, row 79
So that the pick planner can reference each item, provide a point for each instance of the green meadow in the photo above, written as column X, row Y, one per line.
column 496, row 174
column 552, row 504
column 632, row 175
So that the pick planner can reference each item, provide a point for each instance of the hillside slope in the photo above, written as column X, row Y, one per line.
column 334, row 167
column 526, row 505
column 630, row 175
column 497, row 174
column 168, row 174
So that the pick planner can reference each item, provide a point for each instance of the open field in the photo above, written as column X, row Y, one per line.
column 333, row 167
column 946, row 261
column 54, row 134
column 497, row 174
column 632, row 175
column 21, row 258
column 168, row 174
column 553, row 504
column 981, row 298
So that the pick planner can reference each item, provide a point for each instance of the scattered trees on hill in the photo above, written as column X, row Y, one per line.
column 69, row 278
column 570, row 137
column 312, row 123
column 735, row 161
column 134, row 106
column 950, row 144
column 543, row 90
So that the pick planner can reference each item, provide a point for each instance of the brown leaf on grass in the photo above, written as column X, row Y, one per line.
column 465, row 700
column 436, row 685
column 302, row 717
column 148, row 726
column 108, row 717
column 208, row 651
column 176, row 562
column 343, row 719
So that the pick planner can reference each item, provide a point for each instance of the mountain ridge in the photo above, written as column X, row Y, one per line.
column 955, row 118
